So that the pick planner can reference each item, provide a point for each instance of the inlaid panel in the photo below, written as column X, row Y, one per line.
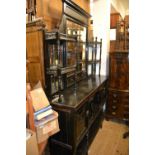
column 119, row 71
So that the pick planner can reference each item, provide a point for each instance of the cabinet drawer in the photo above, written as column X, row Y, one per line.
column 118, row 97
column 114, row 110
column 112, row 103
column 118, row 104
column 113, row 99
column 114, row 107
column 114, row 113
column 113, row 95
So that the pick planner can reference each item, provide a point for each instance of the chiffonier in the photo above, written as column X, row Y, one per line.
column 73, row 83
column 118, row 86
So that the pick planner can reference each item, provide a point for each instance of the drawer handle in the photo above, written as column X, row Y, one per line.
column 113, row 107
column 114, row 95
column 114, row 101
column 87, row 113
column 113, row 113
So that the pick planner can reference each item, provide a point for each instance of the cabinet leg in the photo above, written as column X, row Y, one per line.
column 106, row 118
column 125, row 135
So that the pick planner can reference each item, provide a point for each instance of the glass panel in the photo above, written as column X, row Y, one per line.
column 77, row 56
column 54, row 85
column 71, row 54
column 54, row 55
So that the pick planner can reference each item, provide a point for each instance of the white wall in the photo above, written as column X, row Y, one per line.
column 101, row 26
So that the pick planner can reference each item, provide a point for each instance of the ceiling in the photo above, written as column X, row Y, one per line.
column 113, row 10
column 124, row 4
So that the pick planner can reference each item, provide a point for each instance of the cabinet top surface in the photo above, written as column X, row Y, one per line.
column 72, row 98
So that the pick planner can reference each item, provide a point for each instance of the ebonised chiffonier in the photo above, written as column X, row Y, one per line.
column 118, row 87
column 72, row 86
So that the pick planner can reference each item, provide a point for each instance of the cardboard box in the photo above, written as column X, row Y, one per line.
column 39, row 99
column 31, row 143
column 48, row 129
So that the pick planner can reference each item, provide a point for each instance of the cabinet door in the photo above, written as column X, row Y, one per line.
column 119, row 71
column 114, row 18
column 71, row 54
column 34, row 49
column 80, row 121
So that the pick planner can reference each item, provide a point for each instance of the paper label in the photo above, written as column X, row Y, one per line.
column 49, row 127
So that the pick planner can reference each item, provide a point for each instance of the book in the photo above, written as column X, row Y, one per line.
column 42, row 110
column 45, row 120
column 43, row 114
column 39, row 99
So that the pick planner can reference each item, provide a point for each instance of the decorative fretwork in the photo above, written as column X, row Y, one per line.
column 30, row 9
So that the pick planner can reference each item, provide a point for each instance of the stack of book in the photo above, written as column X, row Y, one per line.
column 42, row 109
column 45, row 118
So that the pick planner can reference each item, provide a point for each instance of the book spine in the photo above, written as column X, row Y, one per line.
column 42, row 110
column 44, row 120
column 44, row 114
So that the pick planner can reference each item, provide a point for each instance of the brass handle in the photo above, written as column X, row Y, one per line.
column 87, row 113
column 113, row 113
column 113, row 107
column 114, row 95
column 114, row 101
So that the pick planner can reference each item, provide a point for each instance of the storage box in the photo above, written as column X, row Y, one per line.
column 31, row 143
column 48, row 129
column 44, row 127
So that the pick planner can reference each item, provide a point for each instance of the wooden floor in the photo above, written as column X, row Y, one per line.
column 109, row 140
